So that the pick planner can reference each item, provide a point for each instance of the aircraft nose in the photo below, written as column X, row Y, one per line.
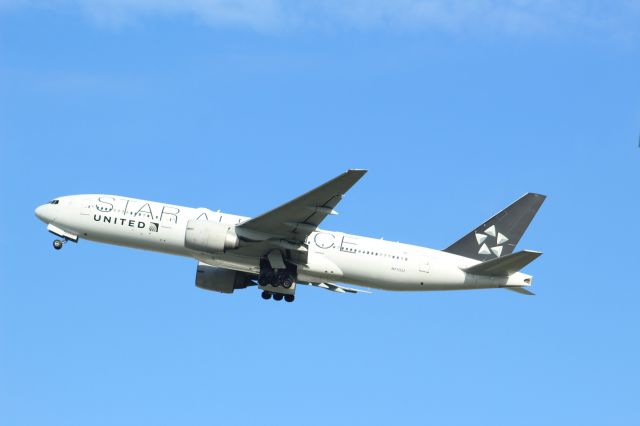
column 42, row 213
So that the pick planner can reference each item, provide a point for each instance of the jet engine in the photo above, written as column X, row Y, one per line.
column 221, row 280
column 210, row 237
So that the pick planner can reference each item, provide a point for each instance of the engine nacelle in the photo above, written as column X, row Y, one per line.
column 219, row 279
column 210, row 237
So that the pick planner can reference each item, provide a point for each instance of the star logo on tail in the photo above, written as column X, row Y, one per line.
column 489, row 236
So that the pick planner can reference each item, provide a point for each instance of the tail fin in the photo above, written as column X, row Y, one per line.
column 499, row 235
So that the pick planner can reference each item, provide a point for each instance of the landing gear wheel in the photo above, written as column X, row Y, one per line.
column 287, row 283
column 266, row 295
column 289, row 298
column 57, row 244
column 278, row 297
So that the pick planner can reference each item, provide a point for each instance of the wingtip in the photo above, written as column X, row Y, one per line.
column 360, row 171
column 535, row 194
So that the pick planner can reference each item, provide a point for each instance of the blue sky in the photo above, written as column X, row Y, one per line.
column 456, row 108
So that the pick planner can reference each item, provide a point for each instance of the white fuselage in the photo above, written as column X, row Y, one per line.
column 331, row 257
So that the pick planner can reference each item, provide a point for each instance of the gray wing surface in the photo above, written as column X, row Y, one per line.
column 295, row 220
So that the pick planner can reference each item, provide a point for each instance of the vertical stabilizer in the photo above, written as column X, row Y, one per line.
column 499, row 235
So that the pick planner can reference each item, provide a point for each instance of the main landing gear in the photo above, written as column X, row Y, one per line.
column 277, row 283
column 266, row 295
column 277, row 278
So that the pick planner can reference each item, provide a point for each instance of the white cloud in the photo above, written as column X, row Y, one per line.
column 258, row 14
column 467, row 16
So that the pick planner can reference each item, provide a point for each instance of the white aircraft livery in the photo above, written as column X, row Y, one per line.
column 284, row 248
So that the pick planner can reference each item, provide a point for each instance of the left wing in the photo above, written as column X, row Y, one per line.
column 295, row 220
column 337, row 288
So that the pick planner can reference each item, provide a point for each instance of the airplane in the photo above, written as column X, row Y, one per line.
column 284, row 247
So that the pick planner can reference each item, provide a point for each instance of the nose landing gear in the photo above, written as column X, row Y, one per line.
column 58, row 244
column 63, row 235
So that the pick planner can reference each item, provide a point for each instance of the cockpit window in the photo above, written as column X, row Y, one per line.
column 54, row 202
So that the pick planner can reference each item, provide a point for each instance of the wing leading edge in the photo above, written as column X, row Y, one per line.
column 295, row 220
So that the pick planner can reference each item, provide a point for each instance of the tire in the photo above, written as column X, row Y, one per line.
column 289, row 298
column 287, row 282
column 278, row 297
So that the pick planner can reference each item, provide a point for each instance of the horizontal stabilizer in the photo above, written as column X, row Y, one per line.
column 505, row 265
column 521, row 290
